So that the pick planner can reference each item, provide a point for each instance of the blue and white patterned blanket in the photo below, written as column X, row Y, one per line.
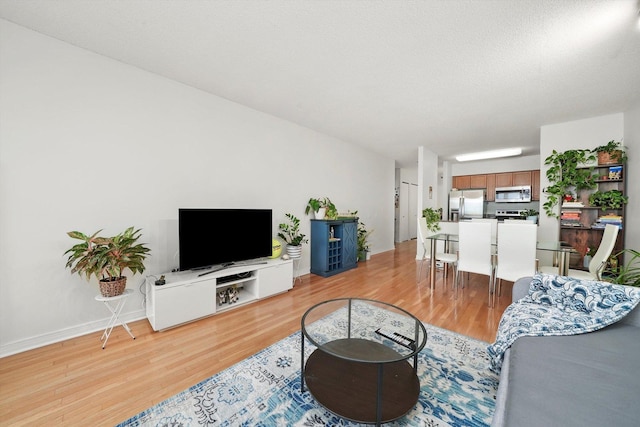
column 560, row 305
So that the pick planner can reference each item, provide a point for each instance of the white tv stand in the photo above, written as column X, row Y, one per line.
column 191, row 295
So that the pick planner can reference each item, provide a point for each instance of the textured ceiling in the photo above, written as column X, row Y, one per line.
column 451, row 75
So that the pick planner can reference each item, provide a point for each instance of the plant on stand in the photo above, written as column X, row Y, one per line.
column 322, row 208
column 290, row 233
column 433, row 219
column 106, row 258
column 611, row 153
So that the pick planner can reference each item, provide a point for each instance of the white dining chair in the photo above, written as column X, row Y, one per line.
column 442, row 256
column 494, row 227
column 599, row 260
column 475, row 254
column 516, row 251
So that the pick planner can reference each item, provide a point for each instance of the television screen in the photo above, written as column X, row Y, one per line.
column 211, row 237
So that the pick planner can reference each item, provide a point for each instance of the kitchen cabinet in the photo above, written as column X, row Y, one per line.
column 504, row 179
column 478, row 181
column 462, row 182
column 521, row 178
column 535, row 184
column 491, row 187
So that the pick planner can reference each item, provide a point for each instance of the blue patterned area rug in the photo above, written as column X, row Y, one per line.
column 457, row 389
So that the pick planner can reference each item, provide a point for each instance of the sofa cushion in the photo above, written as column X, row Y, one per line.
column 581, row 380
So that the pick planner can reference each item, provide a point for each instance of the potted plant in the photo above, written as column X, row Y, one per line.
column 433, row 219
column 567, row 174
column 612, row 199
column 627, row 274
column 363, row 245
column 106, row 258
column 290, row 233
column 611, row 153
column 530, row 215
column 322, row 208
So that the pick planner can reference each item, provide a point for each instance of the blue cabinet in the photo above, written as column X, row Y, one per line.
column 334, row 246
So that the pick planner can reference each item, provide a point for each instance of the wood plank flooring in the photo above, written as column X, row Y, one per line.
column 75, row 382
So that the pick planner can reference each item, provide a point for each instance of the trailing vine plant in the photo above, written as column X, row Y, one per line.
column 567, row 174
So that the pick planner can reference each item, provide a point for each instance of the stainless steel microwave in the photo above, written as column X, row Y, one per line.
column 513, row 194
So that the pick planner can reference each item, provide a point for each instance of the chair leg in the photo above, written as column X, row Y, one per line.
column 455, row 284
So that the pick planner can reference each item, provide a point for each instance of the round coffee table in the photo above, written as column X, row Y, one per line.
column 360, row 369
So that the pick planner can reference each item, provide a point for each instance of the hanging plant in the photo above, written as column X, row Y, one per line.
column 566, row 175
column 433, row 219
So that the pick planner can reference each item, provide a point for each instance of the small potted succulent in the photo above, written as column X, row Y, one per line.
column 290, row 233
column 107, row 258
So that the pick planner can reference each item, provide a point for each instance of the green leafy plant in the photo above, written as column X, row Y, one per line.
column 362, row 238
column 363, row 235
column 566, row 175
column 315, row 204
column 612, row 199
column 627, row 274
column 433, row 219
column 615, row 149
column 106, row 258
column 290, row 231
column 529, row 212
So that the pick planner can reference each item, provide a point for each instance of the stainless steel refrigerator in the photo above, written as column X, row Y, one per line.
column 464, row 204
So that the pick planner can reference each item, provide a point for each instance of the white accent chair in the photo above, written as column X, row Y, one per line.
column 441, row 255
column 475, row 253
column 599, row 260
column 516, row 251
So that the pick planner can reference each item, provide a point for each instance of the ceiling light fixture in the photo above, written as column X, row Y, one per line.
column 507, row 152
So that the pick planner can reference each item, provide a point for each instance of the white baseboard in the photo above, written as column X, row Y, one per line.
column 64, row 334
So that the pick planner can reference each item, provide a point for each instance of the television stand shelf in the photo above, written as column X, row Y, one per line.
column 189, row 295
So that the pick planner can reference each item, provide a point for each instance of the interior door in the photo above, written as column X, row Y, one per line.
column 413, row 211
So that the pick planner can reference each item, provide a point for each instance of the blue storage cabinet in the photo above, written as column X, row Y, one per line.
column 334, row 246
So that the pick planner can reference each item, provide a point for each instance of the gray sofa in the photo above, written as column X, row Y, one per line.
column 583, row 380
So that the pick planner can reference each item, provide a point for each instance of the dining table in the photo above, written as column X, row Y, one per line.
column 562, row 250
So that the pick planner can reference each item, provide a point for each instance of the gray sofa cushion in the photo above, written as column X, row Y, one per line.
column 581, row 380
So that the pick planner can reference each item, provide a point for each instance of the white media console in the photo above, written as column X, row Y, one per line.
column 190, row 295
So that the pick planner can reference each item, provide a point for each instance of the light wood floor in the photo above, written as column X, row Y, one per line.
column 76, row 383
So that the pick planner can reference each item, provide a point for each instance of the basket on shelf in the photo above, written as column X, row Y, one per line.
column 113, row 288
column 608, row 158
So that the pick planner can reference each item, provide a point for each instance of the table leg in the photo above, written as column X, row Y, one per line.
column 563, row 263
column 432, row 265
column 301, row 362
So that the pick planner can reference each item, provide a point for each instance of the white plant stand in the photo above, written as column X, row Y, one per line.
column 115, row 306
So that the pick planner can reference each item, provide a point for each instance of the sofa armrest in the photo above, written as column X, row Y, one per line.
column 520, row 288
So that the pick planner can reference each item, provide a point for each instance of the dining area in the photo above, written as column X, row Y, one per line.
column 501, row 251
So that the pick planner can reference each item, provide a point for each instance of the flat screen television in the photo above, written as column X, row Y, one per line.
column 215, row 237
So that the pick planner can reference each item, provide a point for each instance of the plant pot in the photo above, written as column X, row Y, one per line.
column 113, row 288
column 322, row 212
column 294, row 251
column 362, row 256
column 606, row 158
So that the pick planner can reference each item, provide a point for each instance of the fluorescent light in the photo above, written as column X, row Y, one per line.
column 507, row 152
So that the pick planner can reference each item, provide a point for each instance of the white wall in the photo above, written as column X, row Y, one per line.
column 89, row 143
column 579, row 134
column 632, row 143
